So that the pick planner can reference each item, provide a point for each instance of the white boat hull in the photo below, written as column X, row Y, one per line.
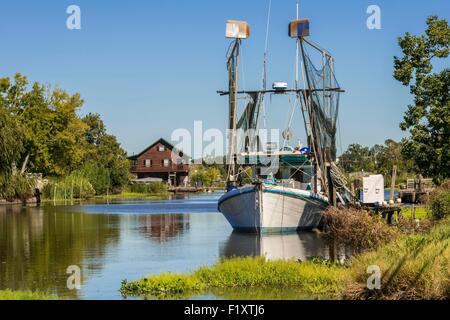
column 272, row 209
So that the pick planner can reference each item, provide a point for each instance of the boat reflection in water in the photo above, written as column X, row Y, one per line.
column 296, row 246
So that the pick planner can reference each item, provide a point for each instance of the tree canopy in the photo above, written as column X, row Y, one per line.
column 377, row 159
column 42, row 131
column 428, row 117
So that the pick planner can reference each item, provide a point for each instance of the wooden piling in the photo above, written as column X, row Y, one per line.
column 394, row 176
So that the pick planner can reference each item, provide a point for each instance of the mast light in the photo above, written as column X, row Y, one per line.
column 237, row 29
column 299, row 28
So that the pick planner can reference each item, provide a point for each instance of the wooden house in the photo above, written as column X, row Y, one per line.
column 161, row 160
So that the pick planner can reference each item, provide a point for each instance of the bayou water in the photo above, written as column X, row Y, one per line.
column 128, row 240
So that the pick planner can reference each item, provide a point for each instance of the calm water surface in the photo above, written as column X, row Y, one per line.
column 127, row 240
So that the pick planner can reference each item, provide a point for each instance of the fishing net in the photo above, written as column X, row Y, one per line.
column 248, row 125
column 323, row 97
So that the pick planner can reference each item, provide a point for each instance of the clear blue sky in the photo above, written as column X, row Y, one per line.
column 149, row 67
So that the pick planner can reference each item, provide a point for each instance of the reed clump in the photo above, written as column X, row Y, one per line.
column 357, row 229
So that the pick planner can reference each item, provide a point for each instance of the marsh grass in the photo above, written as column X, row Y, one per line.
column 174, row 285
column 24, row 295
column 311, row 278
column 413, row 267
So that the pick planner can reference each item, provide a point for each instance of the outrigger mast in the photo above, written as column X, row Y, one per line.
column 236, row 30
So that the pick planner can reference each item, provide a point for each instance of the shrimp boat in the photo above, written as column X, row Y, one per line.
column 272, row 189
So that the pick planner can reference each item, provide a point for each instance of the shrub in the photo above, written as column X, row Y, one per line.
column 439, row 202
column 98, row 176
column 205, row 176
column 149, row 188
column 15, row 186
column 104, row 179
column 357, row 229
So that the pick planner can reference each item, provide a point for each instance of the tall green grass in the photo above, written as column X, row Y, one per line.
column 71, row 187
column 413, row 267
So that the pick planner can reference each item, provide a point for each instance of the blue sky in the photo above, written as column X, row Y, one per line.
column 149, row 67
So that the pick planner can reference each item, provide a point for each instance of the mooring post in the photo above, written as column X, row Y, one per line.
column 393, row 178
column 389, row 217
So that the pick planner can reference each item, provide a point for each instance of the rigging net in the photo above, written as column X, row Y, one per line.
column 322, row 99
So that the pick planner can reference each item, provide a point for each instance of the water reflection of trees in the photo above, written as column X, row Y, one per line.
column 36, row 247
column 163, row 227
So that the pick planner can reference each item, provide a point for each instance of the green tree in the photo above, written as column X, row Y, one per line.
column 107, row 162
column 54, row 132
column 205, row 176
column 11, row 141
column 41, row 127
column 357, row 158
column 428, row 118
column 390, row 155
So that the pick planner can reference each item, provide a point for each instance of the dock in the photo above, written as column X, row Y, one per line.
column 416, row 190
column 387, row 211
column 194, row 189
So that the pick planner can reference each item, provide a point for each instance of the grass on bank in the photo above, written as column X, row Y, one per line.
column 413, row 266
column 419, row 212
column 133, row 196
column 68, row 192
column 24, row 295
column 312, row 277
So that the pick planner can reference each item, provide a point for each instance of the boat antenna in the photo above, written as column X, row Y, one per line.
column 261, row 107
column 266, row 46
column 291, row 114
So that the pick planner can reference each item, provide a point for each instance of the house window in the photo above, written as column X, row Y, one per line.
column 161, row 148
column 147, row 163
column 166, row 163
